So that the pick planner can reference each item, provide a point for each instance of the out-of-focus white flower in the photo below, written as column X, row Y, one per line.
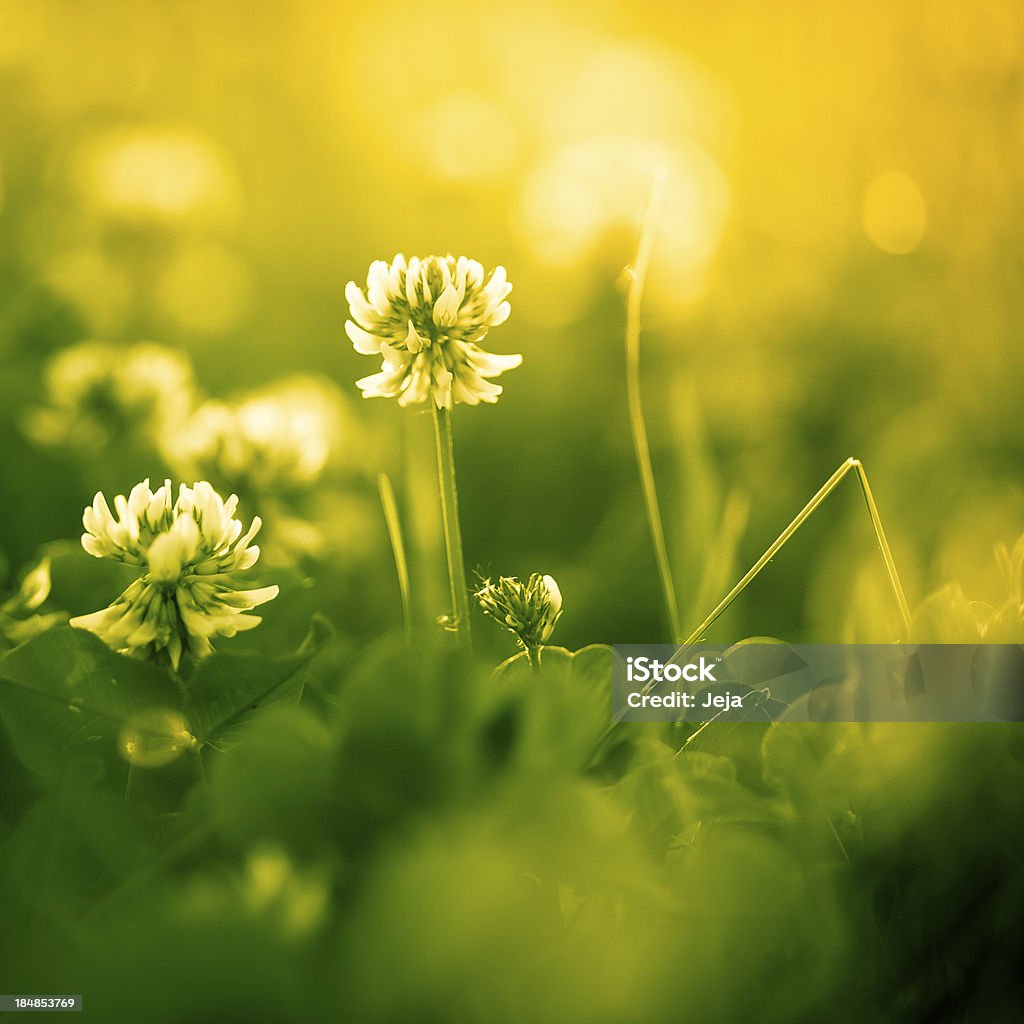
column 277, row 439
column 425, row 317
column 20, row 615
column 530, row 610
column 96, row 391
column 33, row 591
column 153, row 174
column 192, row 552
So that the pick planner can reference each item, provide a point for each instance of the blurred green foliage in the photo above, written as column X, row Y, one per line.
column 422, row 839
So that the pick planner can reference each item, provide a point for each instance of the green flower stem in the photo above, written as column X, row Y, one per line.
column 637, row 423
column 533, row 653
column 452, row 529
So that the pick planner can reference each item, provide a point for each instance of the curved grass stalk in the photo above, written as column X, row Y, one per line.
column 802, row 516
column 773, row 549
column 637, row 422
column 394, row 527
column 460, row 623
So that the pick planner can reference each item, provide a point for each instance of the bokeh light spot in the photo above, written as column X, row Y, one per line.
column 159, row 174
column 644, row 90
column 155, row 738
column 205, row 288
column 464, row 137
column 94, row 285
column 895, row 214
column 26, row 26
column 578, row 195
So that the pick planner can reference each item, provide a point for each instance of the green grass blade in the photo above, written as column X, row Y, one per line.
column 394, row 527
column 637, row 421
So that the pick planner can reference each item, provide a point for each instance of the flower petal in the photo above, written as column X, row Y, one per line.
column 362, row 311
column 363, row 341
column 446, row 309
column 490, row 364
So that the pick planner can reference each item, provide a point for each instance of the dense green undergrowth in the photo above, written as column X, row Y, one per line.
column 407, row 834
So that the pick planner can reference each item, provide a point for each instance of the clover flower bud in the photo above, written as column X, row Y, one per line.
column 528, row 610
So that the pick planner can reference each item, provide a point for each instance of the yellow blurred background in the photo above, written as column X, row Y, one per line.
column 837, row 269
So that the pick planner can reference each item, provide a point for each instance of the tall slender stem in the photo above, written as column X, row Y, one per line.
column 637, row 423
column 452, row 528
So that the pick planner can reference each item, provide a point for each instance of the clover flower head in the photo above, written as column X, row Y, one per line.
column 274, row 439
column 530, row 610
column 96, row 391
column 191, row 551
column 141, row 517
column 425, row 318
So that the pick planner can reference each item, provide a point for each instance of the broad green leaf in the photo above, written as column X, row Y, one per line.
column 556, row 715
column 412, row 720
column 227, row 689
column 817, row 764
column 65, row 694
column 758, row 659
column 593, row 663
column 277, row 781
column 674, row 794
column 68, row 853
column 68, row 849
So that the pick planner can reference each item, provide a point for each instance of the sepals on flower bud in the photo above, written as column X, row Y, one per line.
column 529, row 610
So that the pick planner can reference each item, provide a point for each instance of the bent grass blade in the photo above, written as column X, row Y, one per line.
column 802, row 516
column 773, row 549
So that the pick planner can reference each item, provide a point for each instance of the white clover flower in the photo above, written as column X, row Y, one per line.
column 278, row 438
column 192, row 552
column 529, row 610
column 96, row 391
column 140, row 518
column 425, row 318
